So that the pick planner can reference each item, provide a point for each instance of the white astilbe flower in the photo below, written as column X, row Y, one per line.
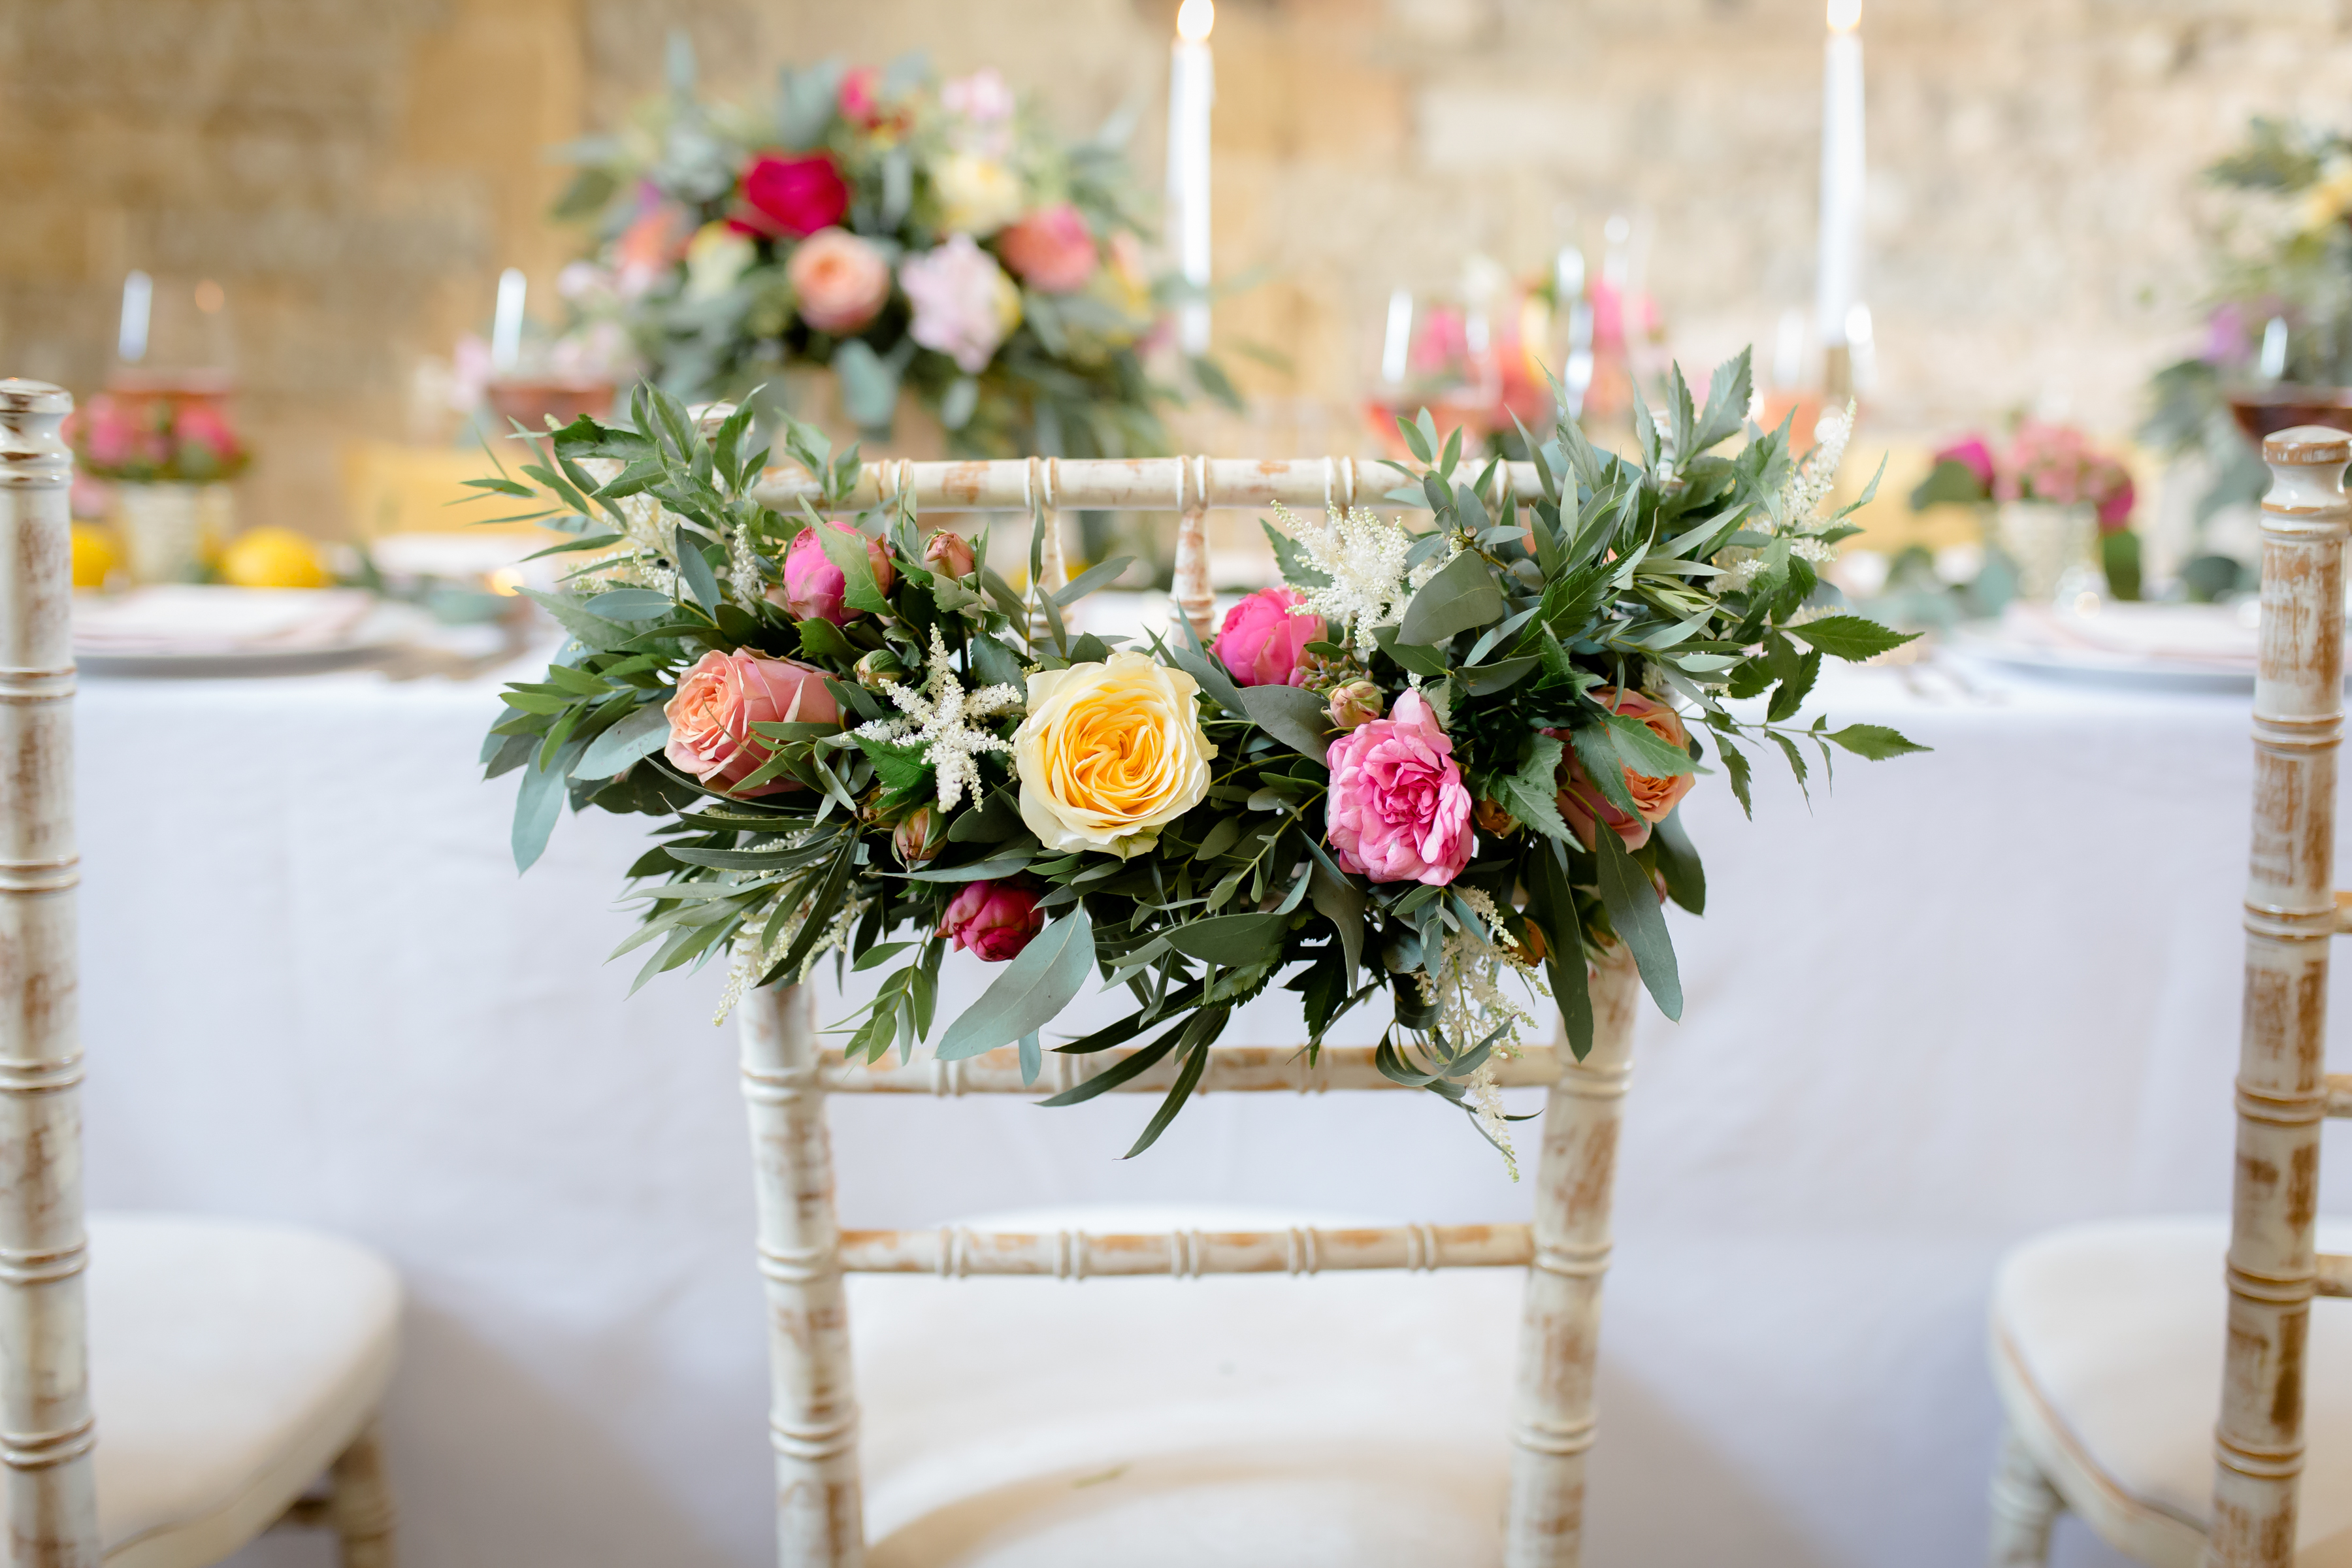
column 744, row 564
column 937, row 719
column 1809, row 485
column 751, row 943
column 1471, row 1005
column 1363, row 554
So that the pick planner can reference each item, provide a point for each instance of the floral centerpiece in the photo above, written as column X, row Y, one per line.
column 1440, row 764
column 166, row 458
column 904, row 233
column 2063, row 503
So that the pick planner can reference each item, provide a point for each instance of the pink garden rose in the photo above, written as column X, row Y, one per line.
column 1398, row 810
column 840, row 281
column 1581, row 800
column 1051, row 249
column 994, row 920
column 964, row 304
column 813, row 587
column 1261, row 640
column 710, row 718
column 795, row 197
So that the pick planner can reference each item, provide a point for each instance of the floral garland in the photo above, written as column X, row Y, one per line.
column 1434, row 764
column 901, row 232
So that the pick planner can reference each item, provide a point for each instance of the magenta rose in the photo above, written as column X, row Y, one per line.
column 1398, row 810
column 1051, row 249
column 795, row 197
column 1581, row 800
column 710, row 718
column 813, row 587
column 1974, row 455
column 994, row 920
column 1261, row 642
column 2116, row 505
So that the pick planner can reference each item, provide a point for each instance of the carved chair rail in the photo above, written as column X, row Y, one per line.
column 1246, row 1070
column 953, row 1252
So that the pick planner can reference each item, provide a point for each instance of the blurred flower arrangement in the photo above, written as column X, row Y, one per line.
column 902, row 232
column 2043, row 469
column 157, row 439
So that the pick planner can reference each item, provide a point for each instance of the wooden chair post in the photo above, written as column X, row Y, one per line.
column 813, row 1421
column 1552, row 1420
column 2290, row 915
column 46, row 1431
column 1196, row 599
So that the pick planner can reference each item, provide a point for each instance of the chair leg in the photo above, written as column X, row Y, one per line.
column 361, row 1506
column 2024, row 1506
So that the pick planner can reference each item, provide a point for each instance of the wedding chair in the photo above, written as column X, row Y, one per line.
column 229, row 1364
column 1290, row 1462
column 2114, row 1344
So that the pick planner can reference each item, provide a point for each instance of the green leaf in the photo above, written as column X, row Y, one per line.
column 1291, row 559
column 1235, row 941
column 1647, row 752
column 1462, row 596
column 1415, row 442
column 1143, row 1060
column 1187, row 655
column 1093, row 577
column 632, row 605
column 1875, row 742
column 1426, row 662
column 1632, row 903
column 1849, row 638
column 1603, row 764
column 1554, row 908
column 1291, row 714
column 996, row 664
column 869, row 390
column 614, row 751
column 1031, row 992
column 1736, row 763
column 845, row 548
column 1197, row 1045
column 978, row 871
column 1678, row 863
column 538, row 803
column 1532, row 794
column 899, row 767
column 1501, row 676
column 820, row 638
column 694, row 570
column 1790, row 694
column 591, row 630
column 1338, row 899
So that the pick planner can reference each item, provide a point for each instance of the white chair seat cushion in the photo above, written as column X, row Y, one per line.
column 2106, row 1345
column 230, row 1363
column 1347, row 1421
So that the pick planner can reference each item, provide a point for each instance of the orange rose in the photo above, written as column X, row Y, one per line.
column 1654, row 797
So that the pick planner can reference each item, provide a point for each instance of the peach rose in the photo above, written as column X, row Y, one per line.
column 841, row 281
column 710, row 718
column 1581, row 800
column 1050, row 248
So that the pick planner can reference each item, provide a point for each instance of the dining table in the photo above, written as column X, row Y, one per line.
column 1935, row 1005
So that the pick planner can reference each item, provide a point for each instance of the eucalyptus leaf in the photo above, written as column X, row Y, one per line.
column 1291, row 714
column 642, row 731
column 1033, row 990
column 1235, row 941
column 1633, row 904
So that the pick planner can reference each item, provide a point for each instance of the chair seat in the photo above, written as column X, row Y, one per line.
column 1348, row 1421
column 2106, row 1346
column 230, row 1363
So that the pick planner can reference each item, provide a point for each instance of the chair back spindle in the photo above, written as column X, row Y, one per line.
column 46, row 1428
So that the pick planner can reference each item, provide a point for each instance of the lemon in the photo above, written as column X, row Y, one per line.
column 94, row 555
column 273, row 558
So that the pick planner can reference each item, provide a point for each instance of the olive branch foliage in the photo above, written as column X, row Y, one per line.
column 1607, row 579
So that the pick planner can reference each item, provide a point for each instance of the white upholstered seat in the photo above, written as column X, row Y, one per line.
column 231, row 1363
column 1358, row 1422
column 2107, row 1343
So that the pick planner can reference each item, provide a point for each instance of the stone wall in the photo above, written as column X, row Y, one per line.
column 355, row 172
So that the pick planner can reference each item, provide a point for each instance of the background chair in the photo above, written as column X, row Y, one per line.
column 229, row 1364
column 2113, row 1345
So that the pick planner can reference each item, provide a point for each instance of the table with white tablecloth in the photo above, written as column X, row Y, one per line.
column 1957, row 999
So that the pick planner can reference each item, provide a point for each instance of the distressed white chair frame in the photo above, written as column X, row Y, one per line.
column 2284, row 1090
column 787, row 1076
column 47, row 1430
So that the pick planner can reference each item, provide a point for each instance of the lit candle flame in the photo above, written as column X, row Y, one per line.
column 1845, row 15
column 1194, row 18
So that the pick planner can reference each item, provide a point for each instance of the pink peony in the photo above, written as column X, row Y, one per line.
column 994, row 920
column 813, row 587
column 722, row 697
column 1261, row 640
column 1398, row 810
column 206, row 428
column 964, row 304
column 1974, row 455
column 840, row 281
column 1581, row 800
column 1051, row 249
column 795, row 197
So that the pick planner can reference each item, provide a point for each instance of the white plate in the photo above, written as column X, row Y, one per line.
column 2100, row 668
column 2204, row 648
column 199, row 631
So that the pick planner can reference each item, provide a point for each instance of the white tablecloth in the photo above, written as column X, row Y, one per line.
column 1961, row 998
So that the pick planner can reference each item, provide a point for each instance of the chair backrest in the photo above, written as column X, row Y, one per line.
column 2282, row 1087
column 45, row 1430
column 787, row 1074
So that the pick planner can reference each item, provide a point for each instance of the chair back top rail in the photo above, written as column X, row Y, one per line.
column 1138, row 484
column 955, row 1253
column 1231, row 1069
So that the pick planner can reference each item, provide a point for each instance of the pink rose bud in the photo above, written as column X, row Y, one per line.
column 1581, row 800
column 1261, row 642
column 710, row 718
column 1050, row 249
column 949, row 554
column 994, row 920
column 920, row 834
column 1357, row 703
column 1398, row 810
column 813, row 587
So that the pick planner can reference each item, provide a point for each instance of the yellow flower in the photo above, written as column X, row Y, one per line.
column 979, row 195
column 1109, row 755
column 2331, row 198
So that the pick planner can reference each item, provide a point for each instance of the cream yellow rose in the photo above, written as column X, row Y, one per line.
column 1109, row 755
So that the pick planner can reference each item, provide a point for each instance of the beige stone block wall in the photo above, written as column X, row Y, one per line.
column 355, row 172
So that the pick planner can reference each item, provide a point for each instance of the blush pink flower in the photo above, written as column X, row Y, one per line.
column 1654, row 797
column 1051, row 249
column 710, row 718
column 839, row 281
column 1261, row 641
column 964, row 304
column 795, row 196
column 813, row 587
column 994, row 920
column 1398, row 810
